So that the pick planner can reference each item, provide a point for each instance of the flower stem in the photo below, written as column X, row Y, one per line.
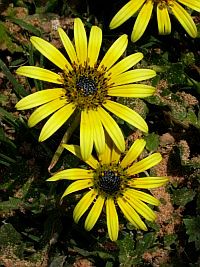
column 64, row 140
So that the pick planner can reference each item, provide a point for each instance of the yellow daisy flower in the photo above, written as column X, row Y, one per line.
column 113, row 181
column 87, row 87
column 163, row 8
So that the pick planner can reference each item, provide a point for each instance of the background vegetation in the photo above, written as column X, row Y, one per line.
column 36, row 229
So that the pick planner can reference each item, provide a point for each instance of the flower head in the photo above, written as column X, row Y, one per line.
column 163, row 8
column 113, row 181
column 87, row 87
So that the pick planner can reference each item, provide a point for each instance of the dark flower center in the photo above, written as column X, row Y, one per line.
column 86, row 85
column 109, row 182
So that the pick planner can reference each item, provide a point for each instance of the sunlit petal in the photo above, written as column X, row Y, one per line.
column 148, row 182
column 39, row 98
column 94, row 45
column 164, row 23
column 80, row 39
column 94, row 213
column 193, row 4
column 112, row 219
column 83, row 205
column 39, row 74
column 50, row 52
column 72, row 174
column 132, row 154
column 77, row 186
column 144, row 164
column 143, row 196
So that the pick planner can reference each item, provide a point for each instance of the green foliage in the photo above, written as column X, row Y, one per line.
column 183, row 196
column 193, row 230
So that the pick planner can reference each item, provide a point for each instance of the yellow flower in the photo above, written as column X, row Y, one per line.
column 163, row 8
column 113, row 181
column 87, row 87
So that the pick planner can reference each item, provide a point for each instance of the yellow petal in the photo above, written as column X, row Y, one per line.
column 39, row 74
column 112, row 219
column 193, row 4
column 98, row 131
column 140, row 207
column 77, row 186
column 83, row 205
column 72, row 174
column 94, row 213
column 105, row 157
column 132, row 90
column 94, row 45
column 143, row 196
column 142, row 21
column 127, row 115
column 125, row 64
column 86, row 134
column 114, row 52
column 56, row 121
column 39, row 98
column 132, row 154
column 115, row 154
column 68, row 45
column 184, row 18
column 50, row 52
column 148, row 182
column 132, row 76
column 80, row 39
column 45, row 110
column 144, row 164
column 112, row 129
column 164, row 24
column 74, row 149
column 125, row 13
column 130, row 214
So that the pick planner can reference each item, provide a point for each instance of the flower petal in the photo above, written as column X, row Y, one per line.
column 39, row 98
column 148, row 182
column 125, row 64
column 115, row 154
column 132, row 154
column 68, row 45
column 144, row 164
column 164, row 23
column 132, row 76
column 77, row 186
column 39, row 74
column 50, row 52
column 112, row 128
column 142, row 21
column 86, row 134
column 83, row 205
column 74, row 149
column 80, row 39
column 131, row 214
column 132, row 90
column 125, row 13
column 99, row 134
column 56, row 121
column 94, row 45
column 184, row 18
column 193, row 4
column 112, row 219
column 94, row 213
column 127, row 115
column 45, row 110
column 105, row 157
column 140, row 207
column 114, row 52
column 72, row 174
column 143, row 196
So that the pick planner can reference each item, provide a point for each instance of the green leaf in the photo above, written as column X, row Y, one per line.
column 8, row 235
column 193, row 230
column 183, row 196
column 152, row 141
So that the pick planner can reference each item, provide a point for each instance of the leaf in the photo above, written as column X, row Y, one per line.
column 193, row 230
column 8, row 235
column 152, row 141
column 183, row 196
